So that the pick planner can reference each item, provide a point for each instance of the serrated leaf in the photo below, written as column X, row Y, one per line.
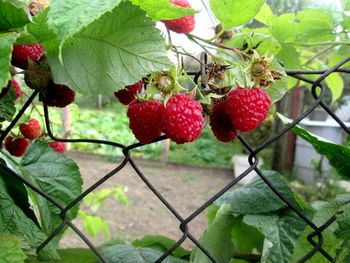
column 130, row 254
column 118, row 49
column 338, row 155
column 278, row 89
column 281, row 233
column 13, row 14
column 7, row 106
column 6, row 42
column 17, row 191
column 264, row 14
column 217, row 238
column 56, row 175
column 246, row 238
column 331, row 243
column 162, row 243
column 163, row 9
column 67, row 17
column 248, row 199
column 230, row 14
column 14, row 221
column 10, row 249
column 283, row 28
column 336, row 84
column 314, row 25
column 290, row 57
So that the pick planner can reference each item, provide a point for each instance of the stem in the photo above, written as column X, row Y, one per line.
column 317, row 55
column 188, row 54
column 239, row 52
column 303, row 44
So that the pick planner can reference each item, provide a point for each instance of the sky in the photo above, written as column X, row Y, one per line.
column 205, row 26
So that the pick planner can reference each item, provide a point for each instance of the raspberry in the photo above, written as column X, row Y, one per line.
column 16, row 147
column 58, row 146
column 145, row 120
column 183, row 25
column 17, row 88
column 31, row 129
column 247, row 108
column 57, row 95
column 220, row 123
column 14, row 84
column 182, row 119
column 127, row 95
column 21, row 54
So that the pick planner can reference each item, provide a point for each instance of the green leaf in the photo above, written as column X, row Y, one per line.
column 290, row 57
column 230, row 14
column 10, row 249
column 338, row 55
column 278, row 89
column 40, row 29
column 56, row 175
column 6, row 42
column 264, row 15
column 217, row 238
column 245, row 238
column 71, row 255
column 14, row 221
column 336, row 84
column 248, row 199
column 162, row 243
column 283, row 28
column 67, row 17
column 116, row 50
column 7, row 106
column 94, row 224
column 13, row 14
column 314, row 25
column 17, row 191
column 303, row 247
column 281, row 233
column 345, row 4
column 163, row 9
column 338, row 155
column 130, row 254
column 267, row 45
column 331, row 243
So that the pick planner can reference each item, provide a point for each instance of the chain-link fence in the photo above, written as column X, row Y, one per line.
column 315, row 238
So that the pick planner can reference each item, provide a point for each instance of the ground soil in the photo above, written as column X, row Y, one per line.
column 186, row 188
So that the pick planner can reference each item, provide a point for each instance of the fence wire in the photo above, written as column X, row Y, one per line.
column 315, row 238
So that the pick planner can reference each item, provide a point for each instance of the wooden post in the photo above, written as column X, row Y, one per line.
column 165, row 151
column 283, row 156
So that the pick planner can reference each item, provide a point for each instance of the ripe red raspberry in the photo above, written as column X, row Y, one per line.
column 31, row 129
column 18, row 90
column 182, row 119
column 16, row 147
column 145, row 120
column 247, row 108
column 183, row 25
column 21, row 54
column 58, row 146
column 127, row 95
column 14, row 84
column 57, row 95
column 221, row 125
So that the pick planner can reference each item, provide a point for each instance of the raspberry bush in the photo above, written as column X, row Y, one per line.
column 116, row 47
